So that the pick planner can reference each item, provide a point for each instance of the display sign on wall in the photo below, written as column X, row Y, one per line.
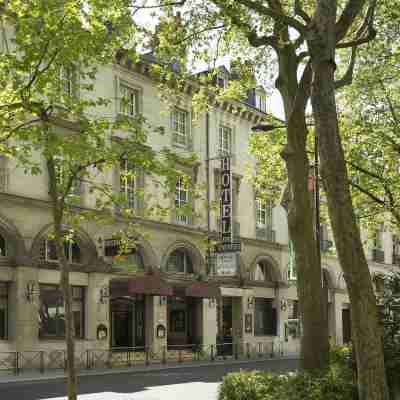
column 226, row 200
column 227, row 264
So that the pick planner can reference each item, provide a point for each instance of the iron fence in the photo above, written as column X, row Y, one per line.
column 128, row 357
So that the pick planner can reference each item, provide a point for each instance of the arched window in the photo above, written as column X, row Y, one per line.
column 3, row 246
column 180, row 261
column 72, row 251
column 263, row 272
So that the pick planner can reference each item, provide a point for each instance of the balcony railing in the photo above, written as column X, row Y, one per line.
column 4, row 177
column 265, row 233
column 378, row 255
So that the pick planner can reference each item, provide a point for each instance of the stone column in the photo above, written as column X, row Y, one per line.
column 156, row 314
column 209, row 323
column 26, row 333
column 98, row 312
column 337, row 306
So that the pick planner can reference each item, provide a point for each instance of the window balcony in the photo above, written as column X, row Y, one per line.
column 266, row 233
column 378, row 256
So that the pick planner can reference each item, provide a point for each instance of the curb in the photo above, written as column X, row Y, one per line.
column 147, row 370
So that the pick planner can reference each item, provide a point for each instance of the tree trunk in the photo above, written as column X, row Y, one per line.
column 64, row 280
column 365, row 330
column 300, row 212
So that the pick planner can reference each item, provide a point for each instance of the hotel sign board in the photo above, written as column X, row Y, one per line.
column 226, row 264
column 226, row 200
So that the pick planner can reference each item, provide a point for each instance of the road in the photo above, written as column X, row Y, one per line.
column 194, row 383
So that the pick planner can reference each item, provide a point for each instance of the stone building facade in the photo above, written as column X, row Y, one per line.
column 115, row 308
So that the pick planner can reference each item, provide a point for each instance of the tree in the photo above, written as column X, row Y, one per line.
column 305, row 36
column 371, row 135
column 53, row 50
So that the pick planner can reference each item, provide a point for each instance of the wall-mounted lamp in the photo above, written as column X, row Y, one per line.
column 31, row 291
column 284, row 304
column 250, row 302
column 163, row 300
column 104, row 294
column 212, row 301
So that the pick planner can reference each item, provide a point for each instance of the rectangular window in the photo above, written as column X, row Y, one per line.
column 68, row 81
column 3, row 310
column 265, row 318
column 181, row 199
column 261, row 103
column 52, row 312
column 127, row 183
column 180, row 127
column 72, row 251
column 225, row 140
column 128, row 100
column 264, row 213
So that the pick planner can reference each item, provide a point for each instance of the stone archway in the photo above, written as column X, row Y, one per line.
column 264, row 266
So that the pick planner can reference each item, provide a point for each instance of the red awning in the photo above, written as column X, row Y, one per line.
column 149, row 284
column 203, row 289
column 141, row 284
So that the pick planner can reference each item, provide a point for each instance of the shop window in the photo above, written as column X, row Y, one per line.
column 72, row 251
column 180, row 262
column 3, row 246
column 263, row 272
column 52, row 312
column 3, row 310
column 265, row 318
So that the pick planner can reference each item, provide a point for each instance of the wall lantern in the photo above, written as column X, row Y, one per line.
column 250, row 302
column 31, row 291
column 212, row 301
column 284, row 304
column 104, row 294
column 163, row 300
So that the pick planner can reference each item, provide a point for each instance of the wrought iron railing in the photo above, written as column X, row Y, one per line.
column 18, row 362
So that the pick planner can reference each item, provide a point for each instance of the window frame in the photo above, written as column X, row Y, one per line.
column 128, row 183
column 187, row 261
column 176, row 132
column 82, row 303
column 68, row 254
column 263, row 213
column 181, row 188
column 130, row 106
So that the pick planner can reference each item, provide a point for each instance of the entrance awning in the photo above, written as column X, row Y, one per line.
column 203, row 289
column 141, row 284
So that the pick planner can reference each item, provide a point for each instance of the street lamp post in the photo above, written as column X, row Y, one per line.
column 264, row 128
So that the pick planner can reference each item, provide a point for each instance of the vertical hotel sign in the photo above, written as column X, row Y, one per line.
column 226, row 201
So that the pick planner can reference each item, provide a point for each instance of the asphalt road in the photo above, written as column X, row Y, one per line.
column 192, row 383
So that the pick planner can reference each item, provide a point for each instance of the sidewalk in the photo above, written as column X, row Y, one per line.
column 32, row 376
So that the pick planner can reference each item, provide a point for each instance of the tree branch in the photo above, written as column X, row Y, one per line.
column 367, row 193
column 347, row 78
column 298, row 10
column 171, row 4
column 274, row 14
column 349, row 14
column 357, row 42
column 211, row 28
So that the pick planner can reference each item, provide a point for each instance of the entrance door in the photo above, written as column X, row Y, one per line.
column 227, row 325
column 122, row 323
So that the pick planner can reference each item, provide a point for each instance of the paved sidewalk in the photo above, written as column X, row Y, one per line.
column 51, row 374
